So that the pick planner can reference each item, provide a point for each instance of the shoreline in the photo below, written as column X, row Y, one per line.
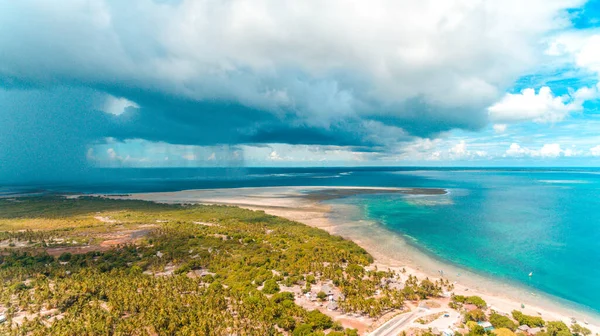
column 504, row 295
column 389, row 249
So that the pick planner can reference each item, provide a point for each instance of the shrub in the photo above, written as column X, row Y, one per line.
column 319, row 320
column 557, row 328
column 280, row 297
column 501, row 321
column 183, row 269
column 302, row 330
column 531, row 321
column 351, row 332
column 355, row 270
column 208, row 278
column 135, row 270
column 286, row 323
column 65, row 256
column 476, row 315
column 459, row 298
column 503, row 332
column 475, row 329
column 270, row 287
column 476, row 300
column 289, row 281
column 578, row 329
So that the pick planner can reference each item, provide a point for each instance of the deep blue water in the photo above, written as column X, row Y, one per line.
column 504, row 223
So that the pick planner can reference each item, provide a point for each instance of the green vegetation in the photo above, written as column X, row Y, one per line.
column 476, row 315
column 580, row 330
column 98, row 266
column 501, row 321
column 271, row 287
column 474, row 300
column 531, row 321
column 475, row 329
column 557, row 328
column 503, row 332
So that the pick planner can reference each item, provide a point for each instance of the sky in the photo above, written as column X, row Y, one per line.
column 181, row 83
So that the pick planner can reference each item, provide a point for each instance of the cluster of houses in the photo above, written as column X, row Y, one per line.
column 333, row 296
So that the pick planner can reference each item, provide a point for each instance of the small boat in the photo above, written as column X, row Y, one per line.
column 585, row 321
column 530, row 274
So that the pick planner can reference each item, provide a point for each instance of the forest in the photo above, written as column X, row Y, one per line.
column 98, row 266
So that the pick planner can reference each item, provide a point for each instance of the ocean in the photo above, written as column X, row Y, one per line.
column 500, row 223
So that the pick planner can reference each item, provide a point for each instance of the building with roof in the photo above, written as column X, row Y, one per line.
column 524, row 328
column 486, row 325
column 332, row 306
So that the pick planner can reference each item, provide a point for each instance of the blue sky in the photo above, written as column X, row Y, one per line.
column 186, row 83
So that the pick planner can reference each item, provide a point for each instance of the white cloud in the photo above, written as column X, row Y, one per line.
column 569, row 152
column 595, row 151
column 438, row 149
column 580, row 48
column 284, row 154
column 552, row 150
column 460, row 149
column 531, row 106
column 500, row 128
column 115, row 157
column 274, row 156
column 112, row 154
column 421, row 150
column 440, row 52
column 589, row 55
column 117, row 106
column 518, row 151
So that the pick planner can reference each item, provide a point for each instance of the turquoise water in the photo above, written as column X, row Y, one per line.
column 506, row 225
